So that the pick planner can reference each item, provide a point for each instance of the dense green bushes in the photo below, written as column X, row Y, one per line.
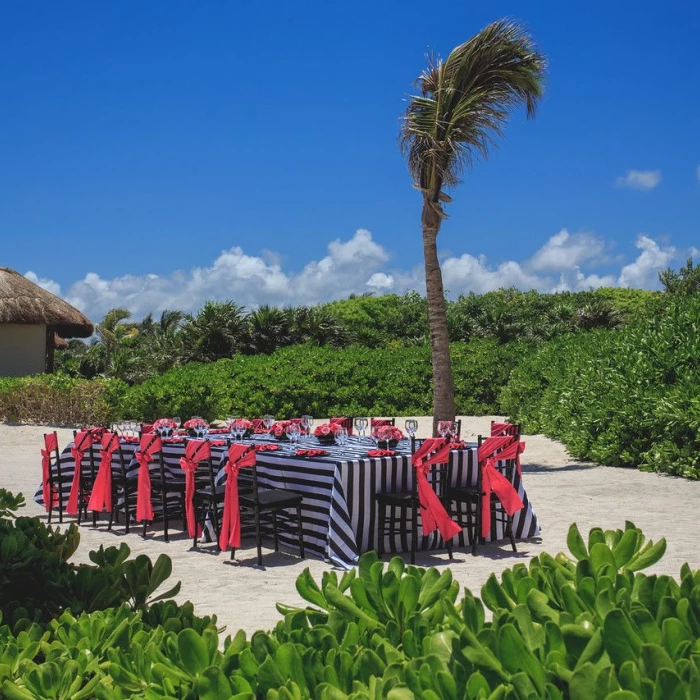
column 326, row 381
column 581, row 628
column 625, row 398
column 59, row 399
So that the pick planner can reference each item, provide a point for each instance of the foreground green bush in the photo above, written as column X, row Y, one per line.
column 326, row 381
column 586, row 627
column 622, row 398
column 59, row 399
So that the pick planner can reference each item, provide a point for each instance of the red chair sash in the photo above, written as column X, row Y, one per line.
column 492, row 481
column 239, row 456
column 502, row 429
column 258, row 424
column 101, row 496
column 344, row 422
column 195, row 451
column 50, row 444
column 491, row 445
column 147, row 428
column 378, row 422
column 433, row 513
column 83, row 442
column 148, row 446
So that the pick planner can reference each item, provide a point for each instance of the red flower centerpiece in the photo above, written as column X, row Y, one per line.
column 241, row 424
column 326, row 432
column 196, row 427
column 278, row 430
column 387, row 436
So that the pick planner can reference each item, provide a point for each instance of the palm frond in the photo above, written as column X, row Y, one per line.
column 465, row 101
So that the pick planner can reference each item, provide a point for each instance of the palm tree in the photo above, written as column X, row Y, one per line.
column 463, row 105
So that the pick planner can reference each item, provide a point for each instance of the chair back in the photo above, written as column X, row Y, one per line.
column 378, row 422
column 498, row 428
column 439, row 474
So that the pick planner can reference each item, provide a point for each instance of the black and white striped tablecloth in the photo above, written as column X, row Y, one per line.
column 339, row 489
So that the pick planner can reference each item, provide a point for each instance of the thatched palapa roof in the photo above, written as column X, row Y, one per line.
column 22, row 301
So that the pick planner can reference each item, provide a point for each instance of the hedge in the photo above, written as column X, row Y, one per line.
column 622, row 398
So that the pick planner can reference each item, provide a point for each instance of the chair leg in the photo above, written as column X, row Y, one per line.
column 215, row 515
column 477, row 528
column 301, row 532
column 511, row 534
column 382, row 530
column 258, row 535
column 145, row 523
column 195, row 506
column 274, row 531
column 414, row 533
column 164, row 501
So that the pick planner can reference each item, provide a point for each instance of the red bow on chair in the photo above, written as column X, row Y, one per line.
column 50, row 444
column 196, row 451
column 433, row 513
column 148, row 446
column 238, row 456
column 101, row 496
column 492, row 481
column 83, row 442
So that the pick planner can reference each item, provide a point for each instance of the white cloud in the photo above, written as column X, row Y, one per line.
column 639, row 179
column 644, row 271
column 566, row 250
column 48, row 285
column 566, row 262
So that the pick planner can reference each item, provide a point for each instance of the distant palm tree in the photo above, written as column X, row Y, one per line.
column 269, row 328
column 462, row 107
column 218, row 330
column 111, row 333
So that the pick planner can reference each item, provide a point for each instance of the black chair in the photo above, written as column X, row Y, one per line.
column 408, row 506
column 88, row 472
column 169, row 491
column 124, row 490
column 512, row 429
column 464, row 503
column 58, row 483
column 268, row 509
column 208, row 497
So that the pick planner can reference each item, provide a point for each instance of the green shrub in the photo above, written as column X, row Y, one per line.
column 587, row 626
column 622, row 398
column 326, row 381
column 59, row 399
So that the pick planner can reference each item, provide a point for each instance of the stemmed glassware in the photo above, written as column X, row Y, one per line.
column 361, row 425
column 178, row 422
column 293, row 432
column 445, row 427
column 267, row 422
column 341, row 436
column 412, row 426
column 239, row 428
column 306, row 423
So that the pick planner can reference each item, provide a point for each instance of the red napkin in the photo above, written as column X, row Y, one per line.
column 217, row 431
column 129, row 438
column 459, row 446
column 270, row 447
column 260, row 431
column 312, row 453
column 217, row 443
column 174, row 439
column 381, row 453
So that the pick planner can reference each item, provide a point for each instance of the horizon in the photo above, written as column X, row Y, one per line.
column 160, row 156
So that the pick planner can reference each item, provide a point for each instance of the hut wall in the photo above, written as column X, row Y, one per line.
column 22, row 349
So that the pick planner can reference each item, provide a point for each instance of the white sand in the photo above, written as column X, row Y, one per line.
column 560, row 489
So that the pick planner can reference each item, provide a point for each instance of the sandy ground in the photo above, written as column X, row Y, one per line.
column 560, row 489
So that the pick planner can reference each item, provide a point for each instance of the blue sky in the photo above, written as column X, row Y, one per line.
column 156, row 154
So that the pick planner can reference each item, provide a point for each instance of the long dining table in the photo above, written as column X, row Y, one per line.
column 338, row 489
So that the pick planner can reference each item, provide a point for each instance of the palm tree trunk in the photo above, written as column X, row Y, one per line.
column 443, row 387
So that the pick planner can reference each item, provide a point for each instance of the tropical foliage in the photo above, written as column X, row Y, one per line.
column 626, row 398
column 589, row 625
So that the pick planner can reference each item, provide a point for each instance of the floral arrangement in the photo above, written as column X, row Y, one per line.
column 278, row 430
column 327, row 429
column 193, row 423
column 388, row 433
column 326, row 432
column 164, row 423
column 241, row 424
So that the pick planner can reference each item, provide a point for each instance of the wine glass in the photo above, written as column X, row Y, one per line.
column 412, row 427
column 293, row 431
column 267, row 422
column 360, row 425
column 444, row 427
column 306, row 422
column 239, row 428
column 341, row 436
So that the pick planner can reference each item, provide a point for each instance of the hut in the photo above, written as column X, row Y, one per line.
column 33, row 322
